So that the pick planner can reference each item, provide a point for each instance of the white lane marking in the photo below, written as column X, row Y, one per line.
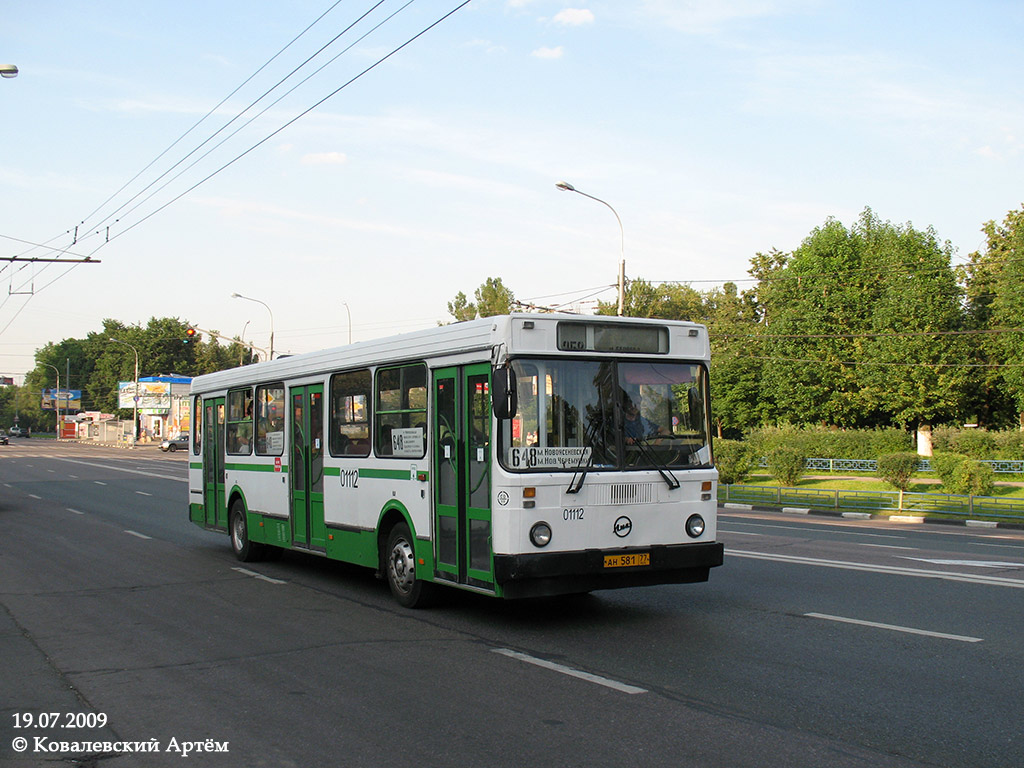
column 124, row 469
column 33, row 496
column 975, row 563
column 831, row 529
column 98, row 482
column 992, row 581
column 138, row 535
column 896, row 628
column 75, row 511
column 606, row 682
column 259, row 576
column 884, row 546
column 143, row 493
column 73, row 477
column 739, row 533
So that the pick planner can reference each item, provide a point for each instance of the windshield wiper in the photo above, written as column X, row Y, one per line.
column 574, row 484
column 664, row 471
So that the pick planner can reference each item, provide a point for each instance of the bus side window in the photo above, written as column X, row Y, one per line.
column 350, row 413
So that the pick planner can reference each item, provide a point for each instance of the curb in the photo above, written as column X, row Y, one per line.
column 897, row 519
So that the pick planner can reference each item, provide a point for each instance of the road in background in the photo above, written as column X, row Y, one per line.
column 819, row 643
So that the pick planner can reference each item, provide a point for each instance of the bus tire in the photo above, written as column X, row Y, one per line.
column 400, row 569
column 238, row 526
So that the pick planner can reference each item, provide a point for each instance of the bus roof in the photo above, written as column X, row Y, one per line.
column 444, row 345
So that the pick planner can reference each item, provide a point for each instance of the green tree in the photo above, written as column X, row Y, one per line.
column 735, row 373
column 996, row 303
column 97, row 363
column 492, row 298
column 912, row 368
column 857, row 327
column 665, row 301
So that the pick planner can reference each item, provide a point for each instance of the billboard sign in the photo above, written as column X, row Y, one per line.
column 153, row 395
column 66, row 400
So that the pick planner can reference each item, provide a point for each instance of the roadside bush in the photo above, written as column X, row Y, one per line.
column 898, row 469
column 786, row 464
column 1009, row 444
column 976, row 443
column 734, row 460
column 945, row 464
column 973, row 479
column 827, row 443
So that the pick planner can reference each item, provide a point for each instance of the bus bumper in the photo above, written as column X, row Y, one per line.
column 560, row 573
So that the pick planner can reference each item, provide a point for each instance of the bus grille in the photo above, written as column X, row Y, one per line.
column 624, row 493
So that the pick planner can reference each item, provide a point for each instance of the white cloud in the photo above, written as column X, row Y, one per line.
column 574, row 17
column 487, row 46
column 324, row 158
column 703, row 16
column 548, row 53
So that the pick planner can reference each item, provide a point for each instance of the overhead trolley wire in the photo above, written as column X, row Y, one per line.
column 238, row 157
column 266, row 93
column 207, row 115
column 295, row 119
column 263, row 111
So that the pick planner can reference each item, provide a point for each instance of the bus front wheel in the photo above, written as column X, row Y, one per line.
column 400, row 568
column 245, row 550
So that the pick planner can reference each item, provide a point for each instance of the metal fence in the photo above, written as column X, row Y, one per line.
column 999, row 466
column 874, row 501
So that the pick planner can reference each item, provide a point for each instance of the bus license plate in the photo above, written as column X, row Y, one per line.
column 627, row 561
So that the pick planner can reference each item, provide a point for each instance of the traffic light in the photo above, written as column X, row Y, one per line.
column 190, row 334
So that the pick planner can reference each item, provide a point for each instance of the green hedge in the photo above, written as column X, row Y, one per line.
column 824, row 443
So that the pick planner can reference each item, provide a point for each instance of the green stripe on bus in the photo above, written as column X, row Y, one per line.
column 386, row 474
column 380, row 474
column 255, row 468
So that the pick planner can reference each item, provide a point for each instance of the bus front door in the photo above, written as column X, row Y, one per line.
column 462, row 472
column 306, row 469
column 213, row 463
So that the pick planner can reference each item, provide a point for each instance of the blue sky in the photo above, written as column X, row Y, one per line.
column 715, row 130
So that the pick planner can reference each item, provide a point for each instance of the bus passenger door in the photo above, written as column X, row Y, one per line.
column 306, row 470
column 462, row 472
column 213, row 463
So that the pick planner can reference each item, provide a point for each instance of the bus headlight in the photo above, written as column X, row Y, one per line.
column 540, row 534
column 695, row 526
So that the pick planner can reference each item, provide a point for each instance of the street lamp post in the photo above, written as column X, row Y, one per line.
column 349, row 321
column 567, row 187
column 247, row 298
column 135, row 400
column 57, row 403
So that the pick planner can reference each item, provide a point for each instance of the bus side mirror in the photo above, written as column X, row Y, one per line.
column 504, row 397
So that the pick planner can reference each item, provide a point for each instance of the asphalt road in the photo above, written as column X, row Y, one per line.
column 818, row 643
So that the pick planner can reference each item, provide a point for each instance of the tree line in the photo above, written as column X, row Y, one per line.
column 97, row 363
column 870, row 325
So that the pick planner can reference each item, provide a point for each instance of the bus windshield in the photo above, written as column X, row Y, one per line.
column 607, row 415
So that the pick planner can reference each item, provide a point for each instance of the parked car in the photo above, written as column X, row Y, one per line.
column 17, row 431
column 3, row 438
column 174, row 443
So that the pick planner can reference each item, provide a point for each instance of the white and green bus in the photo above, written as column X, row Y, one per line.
column 516, row 456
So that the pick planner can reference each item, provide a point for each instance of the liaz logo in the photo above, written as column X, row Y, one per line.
column 622, row 527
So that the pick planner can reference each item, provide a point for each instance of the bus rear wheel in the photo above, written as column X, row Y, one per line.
column 400, row 569
column 245, row 550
